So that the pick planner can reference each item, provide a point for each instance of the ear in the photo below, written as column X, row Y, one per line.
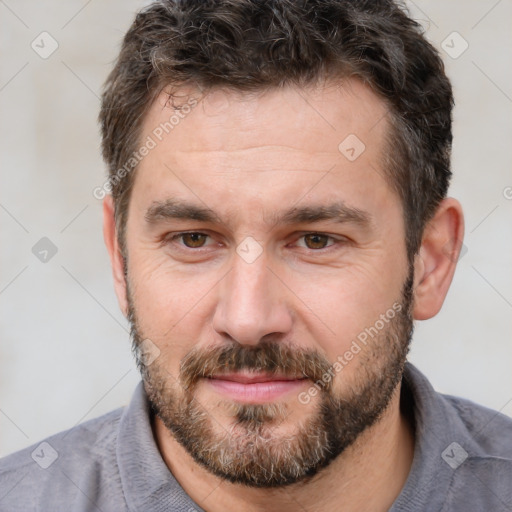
column 116, row 258
column 434, row 265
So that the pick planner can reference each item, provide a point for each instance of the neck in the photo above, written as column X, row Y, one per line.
column 368, row 475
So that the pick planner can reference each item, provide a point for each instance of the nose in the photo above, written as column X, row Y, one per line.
column 252, row 304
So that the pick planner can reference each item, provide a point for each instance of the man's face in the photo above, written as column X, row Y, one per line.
column 265, row 246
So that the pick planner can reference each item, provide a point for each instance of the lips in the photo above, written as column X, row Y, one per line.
column 253, row 378
column 251, row 387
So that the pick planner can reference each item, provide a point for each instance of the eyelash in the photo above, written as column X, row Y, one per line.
column 334, row 241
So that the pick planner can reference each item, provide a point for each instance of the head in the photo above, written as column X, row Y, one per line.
column 279, row 174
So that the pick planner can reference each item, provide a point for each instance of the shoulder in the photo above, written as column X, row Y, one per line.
column 481, row 464
column 61, row 467
column 485, row 432
column 479, row 458
column 489, row 430
column 463, row 452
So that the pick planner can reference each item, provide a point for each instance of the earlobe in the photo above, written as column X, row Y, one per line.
column 116, row 258
column 437, row 258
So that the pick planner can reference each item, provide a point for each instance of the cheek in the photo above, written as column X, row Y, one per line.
column 341, row 305
column 171, row 304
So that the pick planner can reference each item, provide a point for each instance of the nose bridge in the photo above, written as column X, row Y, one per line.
column 251, row 303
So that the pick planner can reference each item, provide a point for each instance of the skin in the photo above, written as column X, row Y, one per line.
column 248, row 157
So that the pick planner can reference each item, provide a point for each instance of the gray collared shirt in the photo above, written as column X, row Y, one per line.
column 462, row 462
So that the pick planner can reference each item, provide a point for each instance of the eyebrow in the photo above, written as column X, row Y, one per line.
column 174, row 209
column 338, row 212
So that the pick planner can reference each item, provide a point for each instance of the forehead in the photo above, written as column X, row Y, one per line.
column 231, row 149
column 316, row 117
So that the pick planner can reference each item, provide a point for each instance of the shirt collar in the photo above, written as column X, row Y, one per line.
column 147, row 482
column 436, row 426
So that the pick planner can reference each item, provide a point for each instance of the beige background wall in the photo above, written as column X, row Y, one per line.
column 65, row 353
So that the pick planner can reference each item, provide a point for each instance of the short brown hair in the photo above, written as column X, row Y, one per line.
column 257, row 44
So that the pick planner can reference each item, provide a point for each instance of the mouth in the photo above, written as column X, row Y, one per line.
column 255, row 387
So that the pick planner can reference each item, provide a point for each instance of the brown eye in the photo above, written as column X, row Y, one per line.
column 316, row 241
column 194, row 240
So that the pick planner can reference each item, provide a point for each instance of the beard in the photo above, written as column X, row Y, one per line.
column 252, row 451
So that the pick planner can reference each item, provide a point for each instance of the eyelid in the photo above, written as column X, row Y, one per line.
column 181, row 233
column 175, row 236
column 336, row 240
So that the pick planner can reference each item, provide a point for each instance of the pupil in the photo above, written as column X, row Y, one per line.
column 317, row 241
column 194, row 239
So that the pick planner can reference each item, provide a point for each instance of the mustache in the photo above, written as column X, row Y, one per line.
column 268, row 357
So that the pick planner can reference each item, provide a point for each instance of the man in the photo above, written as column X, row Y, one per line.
column 277, row 220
